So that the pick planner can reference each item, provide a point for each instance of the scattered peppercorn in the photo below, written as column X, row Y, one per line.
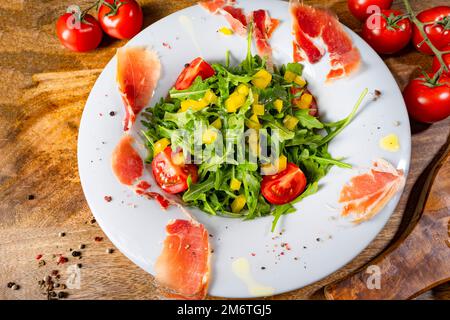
column 82, row 246
column 79, row 266
column 76, row 253
column 263, row 268
column 98, row 239
column 112, row 113
column 62, row 295
column 15, row 287
column 109, row 250
column 186, row 65
column 108, row 198
column 10, row 284
column 55, row 272
column 41, row 263
column 62, row 234
column 31, row 197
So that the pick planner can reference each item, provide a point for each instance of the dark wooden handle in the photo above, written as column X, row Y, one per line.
column 415, row 263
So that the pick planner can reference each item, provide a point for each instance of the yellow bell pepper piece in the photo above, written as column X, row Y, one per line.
column 262, row 79
column 254, row 143
column 178, row 159
column 258, row 109
column 243, row 89
column 217, row 124
column 290, row 122
column 238, row 203
column 209, row 136
column 305, row 101
column 282, row 163
column 209, row 97
column 226, row 31
column 278, row 104
column 253, row 122
column 300, row 81
column 160, row 145
column 289, row 76
column 192, row 104
column 272, row 168
column 255, row 98
column 234, row 102
column 235, row 184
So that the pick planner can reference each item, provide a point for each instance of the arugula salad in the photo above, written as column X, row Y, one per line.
column 209, row 140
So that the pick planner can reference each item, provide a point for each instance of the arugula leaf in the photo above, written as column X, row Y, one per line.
column 295, row 67
column 195, row 92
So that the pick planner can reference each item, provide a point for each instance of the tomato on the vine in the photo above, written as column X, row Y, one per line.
column 436, row 64
column 428, row 100
column 78, row 31
column 437, row 29
column 359, row 8
column 391, row 35
column 121, row 19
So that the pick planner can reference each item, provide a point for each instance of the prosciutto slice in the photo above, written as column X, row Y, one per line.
column 138, row 72
column 264, row 26
column 183, row 266
column 366, row 194
column 310, row 24
column 213, row 6
column 127, row 164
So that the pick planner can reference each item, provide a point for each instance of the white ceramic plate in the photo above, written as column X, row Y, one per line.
column 319, row 240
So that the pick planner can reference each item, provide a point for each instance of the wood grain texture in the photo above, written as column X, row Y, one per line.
column 45, row 87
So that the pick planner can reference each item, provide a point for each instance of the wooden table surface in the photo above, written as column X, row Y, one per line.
column 44, row 89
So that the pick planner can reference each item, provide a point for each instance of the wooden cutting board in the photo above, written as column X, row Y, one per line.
column 419, row 260
column 45, row 88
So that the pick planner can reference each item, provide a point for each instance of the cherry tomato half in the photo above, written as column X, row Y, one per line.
column 198, row 67
column 391, row 35
column 284, row 186
column 436, row 65
column 427, row 103
column 359, row 7
column 171, row 177
column 121, row 19
column 78, row 35
column 439, row 33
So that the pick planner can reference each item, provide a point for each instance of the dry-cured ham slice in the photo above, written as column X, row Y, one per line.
column 183, row 266
column 138, row 72
column 264, row 26
column 236, row 18
column 311, row 23
column 127, row 164
column 368, row 193
column 213, row 6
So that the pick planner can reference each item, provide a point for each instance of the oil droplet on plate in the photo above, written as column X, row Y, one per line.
column 390, row 143
column 241, row 268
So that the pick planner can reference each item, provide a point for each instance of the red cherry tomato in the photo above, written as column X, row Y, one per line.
column 198, row 67
column 284, row 186
column 78, row 35
column 171, row 177
column 121, row 19
column 359, row 7
column 427, row 103
column 438, row 33
column 392, row 33
column 436, row 65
